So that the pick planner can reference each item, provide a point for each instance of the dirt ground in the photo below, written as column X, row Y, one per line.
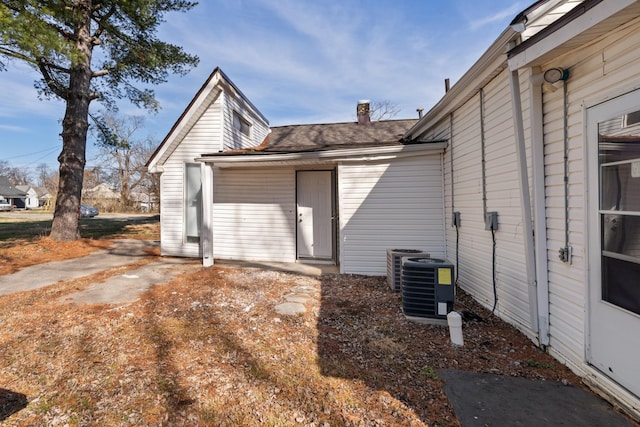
column 209, row 349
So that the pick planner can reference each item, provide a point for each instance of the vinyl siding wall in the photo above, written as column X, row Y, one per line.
column 205, row 136
column 254, row 214
column 602, row 71
column 490, row 112
column 234, row 139
column 397, row 204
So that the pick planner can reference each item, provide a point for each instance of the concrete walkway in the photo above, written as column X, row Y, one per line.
column 118, row 289
column 495, row 400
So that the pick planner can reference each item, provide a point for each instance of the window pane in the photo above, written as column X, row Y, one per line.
column 621, row 235
column 620, row 187
column 620, row 284
column 241, row 124
column 193, row 203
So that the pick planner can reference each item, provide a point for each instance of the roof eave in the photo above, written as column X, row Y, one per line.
column 328, row 156
column 581, row 20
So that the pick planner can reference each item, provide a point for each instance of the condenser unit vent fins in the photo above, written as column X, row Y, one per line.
column 428, row 290
column 394, row 264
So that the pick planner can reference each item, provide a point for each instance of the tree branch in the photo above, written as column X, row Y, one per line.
column 100, row 19
column 55, row 87
column 99, row 73
column 18, row 55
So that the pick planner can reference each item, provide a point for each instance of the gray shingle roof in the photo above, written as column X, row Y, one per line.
column 331, row 136
column 8, row 190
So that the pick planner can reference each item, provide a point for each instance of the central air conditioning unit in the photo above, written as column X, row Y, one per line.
column 394, row 264
column 428, row 290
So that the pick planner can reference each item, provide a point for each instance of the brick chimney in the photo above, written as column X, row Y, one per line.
column 364, row 107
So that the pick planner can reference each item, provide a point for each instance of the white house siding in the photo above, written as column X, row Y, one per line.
column 465, row 195
column 31, row 201
column 390, row 204
column 233, row 138
column 602, row 71
column 503, row 196
column 254, row 214
column 474, row 250
column 204, row 137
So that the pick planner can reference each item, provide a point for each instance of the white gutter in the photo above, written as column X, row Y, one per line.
column 342, row 155
column 525, row 199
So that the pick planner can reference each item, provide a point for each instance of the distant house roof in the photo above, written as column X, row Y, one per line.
column 43, row 192
column 324, row 137
column 25, row 188
column 8, row 190
column 101, row 191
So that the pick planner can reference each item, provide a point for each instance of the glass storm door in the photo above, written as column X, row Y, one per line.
column 614, row 239
column 315, row 214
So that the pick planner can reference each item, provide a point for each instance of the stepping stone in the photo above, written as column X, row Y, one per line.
column 290, row 308
column 299, row 297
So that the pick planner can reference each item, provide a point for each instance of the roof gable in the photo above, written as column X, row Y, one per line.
column 216, row 83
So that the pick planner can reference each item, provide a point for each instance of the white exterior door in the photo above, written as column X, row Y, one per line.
column 614, row 239
column 315, row 214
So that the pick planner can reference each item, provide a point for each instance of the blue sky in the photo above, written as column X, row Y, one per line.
column 298, row 61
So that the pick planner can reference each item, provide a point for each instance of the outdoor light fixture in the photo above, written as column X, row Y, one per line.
column 554, row 75
column 519, row 23
column 519, row 27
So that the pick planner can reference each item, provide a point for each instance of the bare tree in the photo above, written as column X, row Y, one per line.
column 124, row 153
column 383, row 110
column 15, row 175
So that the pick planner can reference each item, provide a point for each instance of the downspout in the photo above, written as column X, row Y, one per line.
column 455, row 220
column 539, row 206
column 525, row 200
column 483, row 160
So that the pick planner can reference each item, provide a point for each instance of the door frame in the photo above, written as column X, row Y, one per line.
column 334, row 219
column 594, row 114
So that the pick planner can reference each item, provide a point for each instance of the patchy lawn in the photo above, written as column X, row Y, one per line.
column 209, row 349
column 24, row 243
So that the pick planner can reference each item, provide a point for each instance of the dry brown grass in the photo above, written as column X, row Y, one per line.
column 37, row 249
column 209, row 349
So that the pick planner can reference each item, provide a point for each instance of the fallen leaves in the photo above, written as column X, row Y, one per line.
column 210, row 349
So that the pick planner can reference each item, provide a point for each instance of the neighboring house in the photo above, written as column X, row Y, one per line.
column 45, row 198
column 30, row 201
column 548, row 136
column 144, row 202
column 101, row 192
column 10, row 193
column 102, row 196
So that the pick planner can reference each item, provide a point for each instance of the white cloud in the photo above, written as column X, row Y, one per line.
column 13, row 128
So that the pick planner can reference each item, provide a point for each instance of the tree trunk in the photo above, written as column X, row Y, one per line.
column 74, row 135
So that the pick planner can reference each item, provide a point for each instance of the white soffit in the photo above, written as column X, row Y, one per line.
column 324, row 157
column 575, row 33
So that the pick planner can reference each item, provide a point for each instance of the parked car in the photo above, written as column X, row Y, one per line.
column 5, row 206
column 87, row 211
